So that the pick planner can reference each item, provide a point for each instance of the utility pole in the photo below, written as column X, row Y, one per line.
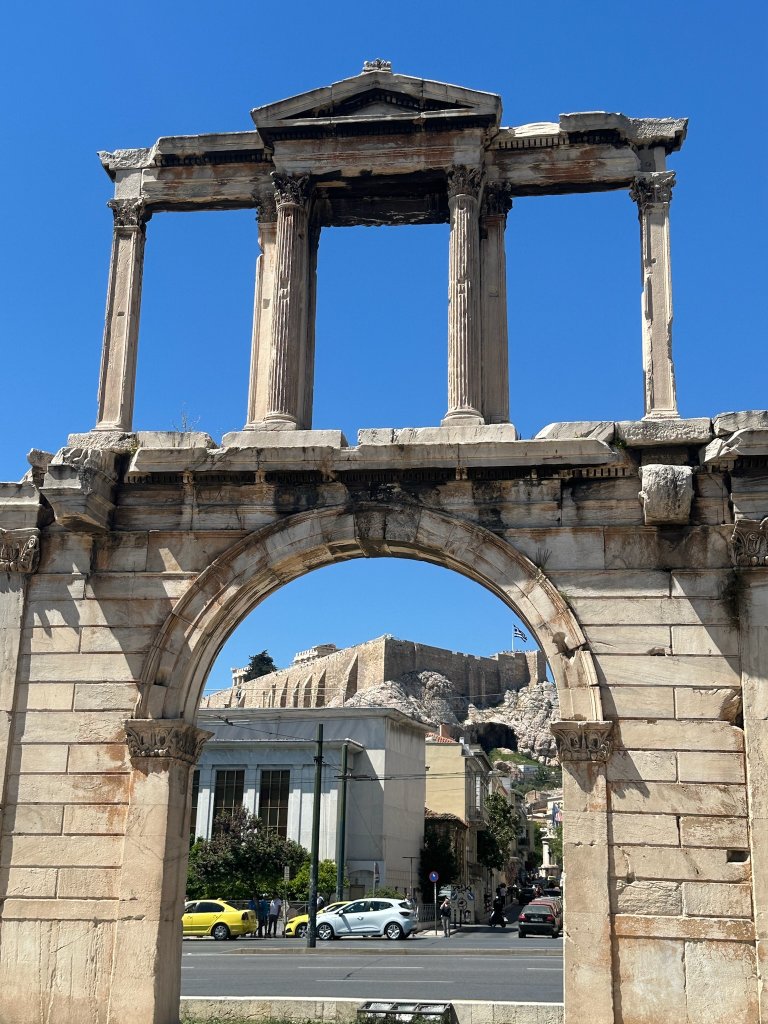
column 341, row 834
column 315, row 850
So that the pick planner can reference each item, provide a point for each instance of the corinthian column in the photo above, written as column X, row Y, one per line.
column 289, row 304
column 464, row 326
column 653, row 193
column 117, row 378
column 261, row 338
column 493, row 275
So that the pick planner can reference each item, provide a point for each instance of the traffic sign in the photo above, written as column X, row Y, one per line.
column 433, row 876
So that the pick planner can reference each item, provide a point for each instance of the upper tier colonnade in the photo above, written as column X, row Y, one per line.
column 382, row 148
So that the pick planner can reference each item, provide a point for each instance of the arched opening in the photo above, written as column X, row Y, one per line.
column 177, row 666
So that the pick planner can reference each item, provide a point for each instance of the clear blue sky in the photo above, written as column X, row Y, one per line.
column 82, row 77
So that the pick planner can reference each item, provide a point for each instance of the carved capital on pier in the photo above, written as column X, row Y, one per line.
column 266, row 207
column 749, row 543
column 497, row 199
column 129, row 213
column 290, row 189
column 19, row 551
column 582, row 741
column 157, row 740
column 652, row 189
column 464, row 181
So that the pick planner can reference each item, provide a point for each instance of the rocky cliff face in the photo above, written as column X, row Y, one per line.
column 433, row 699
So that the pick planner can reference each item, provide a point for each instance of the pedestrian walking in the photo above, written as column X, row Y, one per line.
column 264, row 916
column 445, row 916
column 274, row 913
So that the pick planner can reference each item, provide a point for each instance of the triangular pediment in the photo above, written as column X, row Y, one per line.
column 378, row 96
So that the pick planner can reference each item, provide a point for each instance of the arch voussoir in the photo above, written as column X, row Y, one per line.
column 266, row 560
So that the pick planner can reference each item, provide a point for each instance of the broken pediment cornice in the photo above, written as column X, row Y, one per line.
column 668, row 132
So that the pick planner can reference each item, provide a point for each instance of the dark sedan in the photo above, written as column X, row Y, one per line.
column 537, row 919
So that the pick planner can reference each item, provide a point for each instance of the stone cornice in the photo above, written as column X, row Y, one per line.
column 652, row 189
column 582, row 741
column 158, row 740
column 19, row 551
column 749, row 543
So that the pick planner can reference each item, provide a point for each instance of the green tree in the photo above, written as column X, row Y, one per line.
column 298, row 887
column 260, row 665
column 241, row 858
column 437, row 855
column 495, row 840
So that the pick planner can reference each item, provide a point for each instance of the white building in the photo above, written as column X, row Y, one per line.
column 264, row 759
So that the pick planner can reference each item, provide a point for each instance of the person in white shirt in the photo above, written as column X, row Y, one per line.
column 274, row 913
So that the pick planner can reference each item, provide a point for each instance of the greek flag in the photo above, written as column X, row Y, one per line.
column 519, row 634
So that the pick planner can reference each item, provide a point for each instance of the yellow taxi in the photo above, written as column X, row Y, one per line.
column 297, row 926
column 217, row 918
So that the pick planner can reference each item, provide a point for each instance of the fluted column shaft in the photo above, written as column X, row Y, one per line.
column 289, row 305
column 493, row 276
column 653, row 193
column 464, row 324
column 261, row 338
column 117, row 377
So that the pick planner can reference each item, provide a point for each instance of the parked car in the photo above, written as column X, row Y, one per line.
column 554, row 903
column 217, row 918
column 297, row 926
column 395, row 919
column 538, row 919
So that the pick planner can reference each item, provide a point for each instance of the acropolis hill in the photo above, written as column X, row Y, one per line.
column 504, row 700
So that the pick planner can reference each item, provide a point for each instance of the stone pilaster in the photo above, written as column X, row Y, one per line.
column 497, row 203
column 153, row 876
column 261, row 338
column 583, row 749
column 464, row 316
column 290, row 302
column 117, row 378
column 653, row 193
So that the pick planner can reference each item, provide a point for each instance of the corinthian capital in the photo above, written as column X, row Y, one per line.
column 497, row 199
column 19, row 550
column 158, row 740
column 650, row 189
column 464, row 181
column 290, row 189
column 129, row 213
column 582, row 741
column 266, row 210
column 749, row 543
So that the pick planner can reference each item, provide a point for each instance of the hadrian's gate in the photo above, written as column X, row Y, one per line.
column 637, row 552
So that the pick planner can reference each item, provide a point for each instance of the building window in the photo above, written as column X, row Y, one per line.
column 195, row 794
column 230, row 784
column 273, row 800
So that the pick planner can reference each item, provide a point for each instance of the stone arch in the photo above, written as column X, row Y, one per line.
column 179, row 661
column 220, row 598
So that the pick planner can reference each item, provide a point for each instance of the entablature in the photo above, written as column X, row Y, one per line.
column 387, row 142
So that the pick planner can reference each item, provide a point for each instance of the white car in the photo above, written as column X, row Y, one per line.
column 395, row 919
